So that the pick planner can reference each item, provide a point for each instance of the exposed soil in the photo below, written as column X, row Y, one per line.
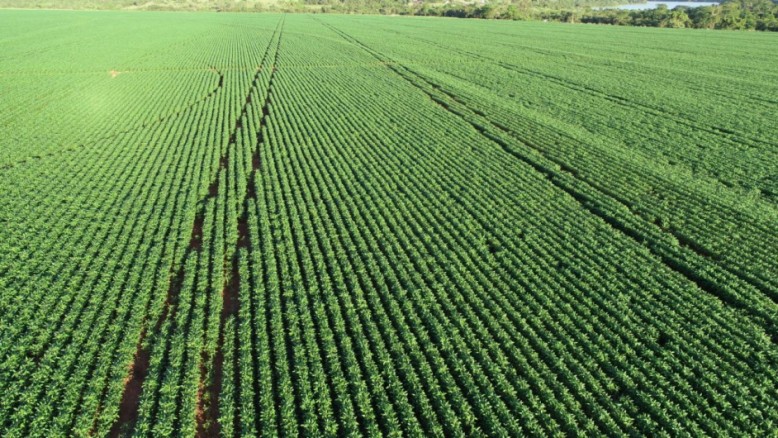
column 207, row 413
column 207, row 410
column 196, row 241
column 133, row 383
column 250, row 193
column 230, row 292
column 243, row 238
column 133, row 387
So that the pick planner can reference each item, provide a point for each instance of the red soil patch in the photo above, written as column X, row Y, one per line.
column 133, row 387
column 133, row 383
column 207, row 410
column 243, row 242
column 196, row 240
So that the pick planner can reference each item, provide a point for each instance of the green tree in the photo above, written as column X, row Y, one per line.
column 706, row 17
column 677, row 18
column 731, row 17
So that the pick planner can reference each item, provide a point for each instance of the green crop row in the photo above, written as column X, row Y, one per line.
column 261, row 225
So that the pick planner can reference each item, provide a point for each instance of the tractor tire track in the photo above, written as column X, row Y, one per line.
column 208, row 413
column 133, row 384
column 757, row 282
column 759, row 305
column 646, row 108
column 730, row 136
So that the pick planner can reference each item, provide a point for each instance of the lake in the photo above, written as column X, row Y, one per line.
column 654, row 5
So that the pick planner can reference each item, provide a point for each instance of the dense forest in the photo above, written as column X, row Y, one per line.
column 730, row 14
column 737, row 14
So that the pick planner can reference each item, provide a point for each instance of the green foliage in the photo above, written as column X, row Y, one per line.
column 264, row 224
column 733, row 14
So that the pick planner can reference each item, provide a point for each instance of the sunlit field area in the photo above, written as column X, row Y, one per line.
column 257, row 224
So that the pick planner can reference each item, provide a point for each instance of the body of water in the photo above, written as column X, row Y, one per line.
column 654, row 5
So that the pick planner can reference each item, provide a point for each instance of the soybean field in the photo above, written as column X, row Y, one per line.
column 220, row 224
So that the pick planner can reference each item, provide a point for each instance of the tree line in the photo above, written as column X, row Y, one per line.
column 730, row 14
